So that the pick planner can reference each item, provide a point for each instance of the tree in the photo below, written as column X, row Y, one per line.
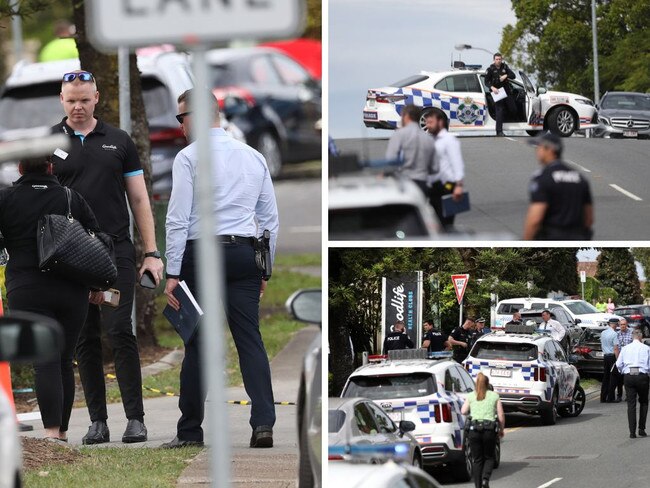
column 104, row 67
column 616, row 269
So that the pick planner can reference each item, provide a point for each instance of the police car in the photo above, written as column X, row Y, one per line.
column 582, row 313
column 463, row 96
column 387, row 475
column 427, row 392
column 529, row 371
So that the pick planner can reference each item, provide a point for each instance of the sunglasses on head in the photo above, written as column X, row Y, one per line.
column 180, row 117
column 82, row 75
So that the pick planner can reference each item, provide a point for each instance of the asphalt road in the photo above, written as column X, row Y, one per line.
column 592, row 450
column 299, row 206
column 498, row 171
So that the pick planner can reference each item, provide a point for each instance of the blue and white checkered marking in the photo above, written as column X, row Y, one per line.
column 449, row 105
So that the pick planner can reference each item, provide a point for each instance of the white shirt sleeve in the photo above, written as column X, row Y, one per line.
column 178, row 212
column 266, row 211
column 456, row 159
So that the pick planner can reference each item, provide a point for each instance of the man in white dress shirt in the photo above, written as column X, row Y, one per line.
column 634, row 362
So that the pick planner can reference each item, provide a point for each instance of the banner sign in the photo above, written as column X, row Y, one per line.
column 402, row 301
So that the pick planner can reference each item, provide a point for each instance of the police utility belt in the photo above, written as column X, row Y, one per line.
column 483, row 425
column 262, row 247
column 636, row 372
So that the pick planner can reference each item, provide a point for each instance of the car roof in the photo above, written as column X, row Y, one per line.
column 363, row 474
column 626, row 93
column 514, row 338
column 403, row 366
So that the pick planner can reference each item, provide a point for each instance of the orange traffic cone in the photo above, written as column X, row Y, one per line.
column 5, row 373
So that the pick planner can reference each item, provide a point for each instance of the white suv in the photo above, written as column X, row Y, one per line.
column 581, row 312
column 429, row 393
column 530, row 372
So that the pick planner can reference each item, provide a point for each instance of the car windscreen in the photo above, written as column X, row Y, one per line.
column 158, row 103
column 591, row 335
column 580, row 308
column 626, row 312
column 31, row 106
column 391, row 386
column 509, row 308
column 626, row 102
column 221, row 75
column 411, row 80
column 386, row 222
column 336, row 420
column 504, row 351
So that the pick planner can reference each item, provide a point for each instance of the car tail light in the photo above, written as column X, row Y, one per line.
column 446, row 412
column 467, row 367
column 583, row 350
column 540, row 374
column 335, row 457
column 436, row 411
column 389, row 98
column 636, row 317
column 174, row 136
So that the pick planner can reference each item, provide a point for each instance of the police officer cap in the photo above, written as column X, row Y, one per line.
column 613, row 320
column 480, row 319
column 547, row 139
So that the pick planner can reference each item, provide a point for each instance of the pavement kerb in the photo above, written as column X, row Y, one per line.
column 170, row 360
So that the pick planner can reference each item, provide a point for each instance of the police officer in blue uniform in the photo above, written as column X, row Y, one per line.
column 244, row 201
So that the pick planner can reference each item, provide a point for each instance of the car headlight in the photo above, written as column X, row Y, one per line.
column 603, row 120
column 585, row 101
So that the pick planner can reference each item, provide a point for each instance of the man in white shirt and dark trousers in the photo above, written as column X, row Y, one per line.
column 556, row 329
column 244, row 201
column 451, row 168
column 634, row 362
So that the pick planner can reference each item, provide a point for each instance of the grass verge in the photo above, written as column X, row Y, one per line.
column 111, row 467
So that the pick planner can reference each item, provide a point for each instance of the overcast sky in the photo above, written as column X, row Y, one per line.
column 373, row 43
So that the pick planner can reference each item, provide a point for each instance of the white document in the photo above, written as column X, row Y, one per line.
column 500, row 95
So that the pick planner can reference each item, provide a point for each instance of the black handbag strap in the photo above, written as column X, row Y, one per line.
column 68, row 195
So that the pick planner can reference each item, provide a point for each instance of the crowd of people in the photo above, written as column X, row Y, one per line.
column 102, row 168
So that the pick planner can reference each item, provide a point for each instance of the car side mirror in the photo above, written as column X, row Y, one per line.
column 406, row 426
column 541, row 90
column 29, row 337
column 578, row 321
column 305, row 305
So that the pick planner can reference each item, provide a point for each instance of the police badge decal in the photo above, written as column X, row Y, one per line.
column 468, row 112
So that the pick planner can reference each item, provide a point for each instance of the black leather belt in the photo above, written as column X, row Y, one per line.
column 236, row 240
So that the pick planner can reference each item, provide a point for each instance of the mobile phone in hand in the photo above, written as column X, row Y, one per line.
column 147, row 280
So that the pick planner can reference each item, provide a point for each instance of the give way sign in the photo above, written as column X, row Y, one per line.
column 460, row 285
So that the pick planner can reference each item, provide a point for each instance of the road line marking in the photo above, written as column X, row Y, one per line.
column 511, row 139
column 579, row 166
column 513, row 429
column 626, row 193
column 305, row 229
column 545, row 485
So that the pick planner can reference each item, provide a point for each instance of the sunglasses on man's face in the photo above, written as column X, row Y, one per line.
column 83, row 76
column 181, row 117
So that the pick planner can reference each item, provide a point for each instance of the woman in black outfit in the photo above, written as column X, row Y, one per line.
column 35, row 194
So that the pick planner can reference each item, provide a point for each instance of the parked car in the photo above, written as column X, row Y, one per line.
column 359, row 421
column 588, row 315
column 588, row 352
column 463, row 96
column 278, row 84
column 530, row 372
column 559, row 314
column 387, row 475
column 305, row 305
column 24, row 337
column 624, row 114
column 637, row 316
column 429, row 393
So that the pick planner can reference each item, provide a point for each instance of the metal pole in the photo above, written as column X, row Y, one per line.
column 17, row 32
column 595, row 43
column 460, row 317
column 210, row 273
column 583, row 290
column 124, row 78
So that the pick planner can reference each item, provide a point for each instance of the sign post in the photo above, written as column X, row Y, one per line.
column 460, row 285
column 583, row 280
column 195, row 24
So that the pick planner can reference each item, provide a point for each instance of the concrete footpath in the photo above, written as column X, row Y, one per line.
column 273, row 468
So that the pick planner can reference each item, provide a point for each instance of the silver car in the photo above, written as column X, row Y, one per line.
column 358, row 421
column 623, row 115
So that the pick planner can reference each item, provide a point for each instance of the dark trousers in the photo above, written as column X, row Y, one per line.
column 243, row 282
column 67, row 303
column 608, row 386
column 439, row 190
column 119, row 329
column 636, row 385
column 619, row 385
column 483, row 446
column 501, row 107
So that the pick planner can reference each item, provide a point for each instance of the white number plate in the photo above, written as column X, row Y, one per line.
column 599, row 354
column 503, row 373
column 370, row 115
column 630, row 133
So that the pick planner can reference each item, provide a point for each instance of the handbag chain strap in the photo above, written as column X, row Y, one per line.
column 68, row 195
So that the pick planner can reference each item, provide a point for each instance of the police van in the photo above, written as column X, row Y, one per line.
column 427, row 392
column 530, row 372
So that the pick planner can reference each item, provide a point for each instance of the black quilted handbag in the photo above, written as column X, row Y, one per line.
column 69, row 250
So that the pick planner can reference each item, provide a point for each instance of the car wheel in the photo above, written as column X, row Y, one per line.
column 417, row 460
column 549, row 414
column 562, row 122
column 577, row 403
column 462, row 470
column 305, row 474
column 268, row 146
column 533, row 133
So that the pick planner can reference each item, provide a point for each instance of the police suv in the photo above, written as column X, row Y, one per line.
column 463, row 95
column 427, row 392
column 529, row 371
